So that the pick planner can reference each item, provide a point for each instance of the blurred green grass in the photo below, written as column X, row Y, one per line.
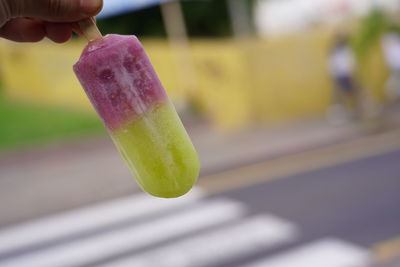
column 23, row 124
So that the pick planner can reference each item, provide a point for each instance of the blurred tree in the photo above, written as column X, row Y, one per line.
column 373, row 26
column 207, row 18
column 204, row 18
column 146, row 22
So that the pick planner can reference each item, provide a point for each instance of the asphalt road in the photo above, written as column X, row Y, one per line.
column 357, row 201
column 332, row 207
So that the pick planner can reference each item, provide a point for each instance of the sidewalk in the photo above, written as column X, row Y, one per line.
column 394, row 263
column 50, row 179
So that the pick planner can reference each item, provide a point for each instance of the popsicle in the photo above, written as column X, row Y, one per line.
column 123, row 87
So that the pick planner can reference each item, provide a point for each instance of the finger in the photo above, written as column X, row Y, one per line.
column 58, row 32
column 23, row 30
column 55, row 10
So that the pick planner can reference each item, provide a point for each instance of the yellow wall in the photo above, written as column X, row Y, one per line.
column 236, row 83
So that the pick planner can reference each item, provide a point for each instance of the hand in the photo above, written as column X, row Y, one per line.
column 32, row 20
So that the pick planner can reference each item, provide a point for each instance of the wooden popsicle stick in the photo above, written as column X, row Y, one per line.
column 89, row 29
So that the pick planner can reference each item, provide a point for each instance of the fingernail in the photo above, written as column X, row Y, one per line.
column 91, row 6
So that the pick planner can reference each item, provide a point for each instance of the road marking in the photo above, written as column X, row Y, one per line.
column 387, row 250
column 88, row 219
column 329, row 252
column 86, row 250
column 300, row 163
column 249, row 236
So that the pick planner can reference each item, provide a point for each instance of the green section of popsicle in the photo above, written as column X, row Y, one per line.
column 159, row 152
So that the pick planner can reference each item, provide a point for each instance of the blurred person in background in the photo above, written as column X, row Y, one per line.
column 391, row 50
column 33, row 20
column 342, row 64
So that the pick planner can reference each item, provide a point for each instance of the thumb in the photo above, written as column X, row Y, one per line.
column 55, row 10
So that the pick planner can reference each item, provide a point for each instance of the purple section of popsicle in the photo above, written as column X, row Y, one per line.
column 119, row 79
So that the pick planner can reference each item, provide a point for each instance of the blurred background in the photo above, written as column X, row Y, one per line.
column 293, row 106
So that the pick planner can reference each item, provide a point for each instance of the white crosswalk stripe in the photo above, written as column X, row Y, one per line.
column 215, row 247
column 88, row 219
column 129, row 233
column 83, row 251
column 328, row 252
